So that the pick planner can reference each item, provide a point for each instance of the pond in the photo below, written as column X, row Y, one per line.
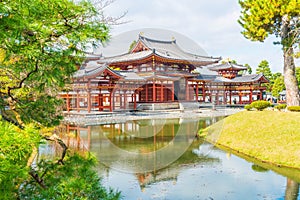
column 162, row 159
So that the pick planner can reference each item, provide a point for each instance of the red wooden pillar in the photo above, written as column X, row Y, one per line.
column 147, row 93
column 113, row 100
column 89, row 102
column 110, row 102
column 68, row 102
column 261, row 95
column 203, row 91
column 125, row 99
column 120, row 97
column 240, row 97
column 197, row 91
column 161, row 92
column 134, row 104
column 250, row 96
column 173, row 92
column 187, row 93
column 77, row 101
column 154, row 92
column 230, row 96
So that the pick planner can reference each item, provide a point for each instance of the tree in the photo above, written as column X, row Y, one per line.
column 278, row 86
column 132, row 45
column 264, row 68
column 280, row 18
column 41, row 44
column 298, row 75
column 249, row 69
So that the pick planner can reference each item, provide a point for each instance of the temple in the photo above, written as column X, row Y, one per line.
column 158, row 75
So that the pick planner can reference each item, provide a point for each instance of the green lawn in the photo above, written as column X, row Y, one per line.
column 269, row 136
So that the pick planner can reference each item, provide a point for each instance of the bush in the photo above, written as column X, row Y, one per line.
column 280, row 106
column 248, row 107
column 260, row 105
column 294, row 108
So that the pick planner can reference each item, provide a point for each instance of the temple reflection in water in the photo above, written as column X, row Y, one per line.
column 143, row 147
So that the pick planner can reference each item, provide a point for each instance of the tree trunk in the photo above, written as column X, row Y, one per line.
column 290, row 81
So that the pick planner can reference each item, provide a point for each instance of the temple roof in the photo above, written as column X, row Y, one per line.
column 227, row 66
column 169, row 50
column 238, row 79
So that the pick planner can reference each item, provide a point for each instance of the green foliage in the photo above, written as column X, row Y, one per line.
column 132, row 45
column 294, row 108
column 264, row 68
column 248, row 107
column 249, row 69
column 258, row 168
column 278, row 86
column 263, row 18
column 15, row 148
column 298, row 75
column 76, row 179
column 260, row 105
column 42, row 43
column 280, row 106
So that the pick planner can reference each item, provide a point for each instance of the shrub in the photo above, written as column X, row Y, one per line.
column 294, row 108
column 260, row 105
column 280, row 106
column 248, row 107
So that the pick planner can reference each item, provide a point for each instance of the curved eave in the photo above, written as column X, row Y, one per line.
column 98, row 72
column 160, row 58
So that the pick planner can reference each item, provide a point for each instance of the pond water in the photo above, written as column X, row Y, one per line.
column 162, row 159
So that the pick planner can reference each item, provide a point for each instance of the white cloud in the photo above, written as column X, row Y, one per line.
column 211, row 24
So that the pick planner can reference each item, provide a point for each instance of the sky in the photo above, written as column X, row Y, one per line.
column 212, row 25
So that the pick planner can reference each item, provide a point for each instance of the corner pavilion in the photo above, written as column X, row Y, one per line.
column 159, row 75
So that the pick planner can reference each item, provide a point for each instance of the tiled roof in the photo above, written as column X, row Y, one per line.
column 170, row 49
column 226, row 66
column 126, row 57
column 250, row 78
column 239, row 79
column 88, row 71
column 164, row 49
column 131, row 76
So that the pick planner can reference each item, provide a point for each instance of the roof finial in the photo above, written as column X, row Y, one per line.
column 141, row 34
column 173, row 39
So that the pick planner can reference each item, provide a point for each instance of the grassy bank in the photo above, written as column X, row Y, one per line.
column 272, row 137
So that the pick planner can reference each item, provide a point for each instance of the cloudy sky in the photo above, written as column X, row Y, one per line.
column 211, row 24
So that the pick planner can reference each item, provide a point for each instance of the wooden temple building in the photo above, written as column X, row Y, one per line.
column 158, row 75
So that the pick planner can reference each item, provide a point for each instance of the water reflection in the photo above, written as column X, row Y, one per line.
column 141, row 159
column 137, row 146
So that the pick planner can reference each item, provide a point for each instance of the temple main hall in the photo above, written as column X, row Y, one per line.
column 159, row 75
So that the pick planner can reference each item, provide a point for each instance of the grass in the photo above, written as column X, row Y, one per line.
column 269, row 136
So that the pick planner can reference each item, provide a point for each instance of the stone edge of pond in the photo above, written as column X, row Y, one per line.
column 81, row 120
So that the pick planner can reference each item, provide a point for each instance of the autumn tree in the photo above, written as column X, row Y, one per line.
column 280, row 18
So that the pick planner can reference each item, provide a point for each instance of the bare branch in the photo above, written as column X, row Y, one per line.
column 36, row 177
column 55, row 138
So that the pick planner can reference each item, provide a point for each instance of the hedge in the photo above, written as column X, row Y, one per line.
column 260, row 105
column 281, row 106
column 294, row 108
